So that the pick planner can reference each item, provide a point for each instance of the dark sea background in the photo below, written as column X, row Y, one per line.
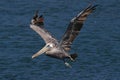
column 98, row 45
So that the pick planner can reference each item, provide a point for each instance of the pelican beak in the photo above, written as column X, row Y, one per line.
column 43, row 50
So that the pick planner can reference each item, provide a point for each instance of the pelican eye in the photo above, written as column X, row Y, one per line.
column 48, row 46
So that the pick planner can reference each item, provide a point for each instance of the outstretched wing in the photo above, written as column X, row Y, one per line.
column 74, row 27
column 37, row 25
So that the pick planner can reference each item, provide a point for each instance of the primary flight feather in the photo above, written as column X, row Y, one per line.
column 56, row 49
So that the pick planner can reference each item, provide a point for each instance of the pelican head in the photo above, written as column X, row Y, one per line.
column 46, row 48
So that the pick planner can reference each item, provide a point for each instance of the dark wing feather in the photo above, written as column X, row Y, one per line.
column 74, row 28
column 37, row 25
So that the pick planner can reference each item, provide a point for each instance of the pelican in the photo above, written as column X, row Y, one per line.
column 60, row 49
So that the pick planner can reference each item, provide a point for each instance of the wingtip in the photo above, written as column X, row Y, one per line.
column 91, row 7
column 94, row 7
column 35, row 14
column 37, row 20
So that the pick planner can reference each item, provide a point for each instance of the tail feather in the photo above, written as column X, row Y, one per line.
column 73, row 56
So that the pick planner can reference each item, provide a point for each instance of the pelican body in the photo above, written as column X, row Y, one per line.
column 53, row 47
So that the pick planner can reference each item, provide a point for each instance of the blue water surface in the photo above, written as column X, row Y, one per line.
column 98, row 45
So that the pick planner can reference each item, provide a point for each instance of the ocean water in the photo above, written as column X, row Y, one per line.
column 98, row 45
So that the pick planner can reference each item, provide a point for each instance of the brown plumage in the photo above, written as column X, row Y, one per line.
column 56, row 49
column 74, row 27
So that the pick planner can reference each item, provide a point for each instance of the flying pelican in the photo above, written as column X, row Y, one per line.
column 60, row 49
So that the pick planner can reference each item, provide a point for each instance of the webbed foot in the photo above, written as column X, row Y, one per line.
column 68, row 65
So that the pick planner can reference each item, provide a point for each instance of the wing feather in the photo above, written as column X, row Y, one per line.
column 74, row 27
column 37, row 25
